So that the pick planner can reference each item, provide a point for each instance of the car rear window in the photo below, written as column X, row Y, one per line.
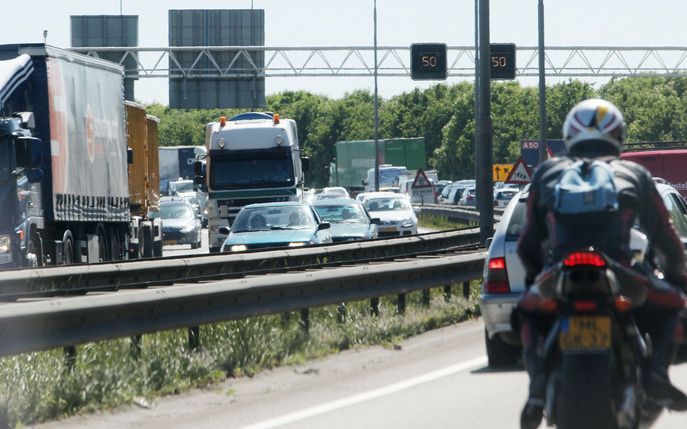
column 517, row 221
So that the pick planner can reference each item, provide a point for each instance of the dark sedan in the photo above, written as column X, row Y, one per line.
column 180, row 222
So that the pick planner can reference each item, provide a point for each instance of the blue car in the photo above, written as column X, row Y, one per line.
column 349, row 219
column 275, row 225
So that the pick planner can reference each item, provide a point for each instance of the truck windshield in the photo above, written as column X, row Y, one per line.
column 5, row 162
column 251, row 169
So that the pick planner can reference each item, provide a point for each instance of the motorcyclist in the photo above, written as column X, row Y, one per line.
column 595, row 129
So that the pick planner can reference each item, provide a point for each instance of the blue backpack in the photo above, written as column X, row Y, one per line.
column 585, row 187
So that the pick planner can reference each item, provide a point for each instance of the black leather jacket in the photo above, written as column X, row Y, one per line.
column 544, row 240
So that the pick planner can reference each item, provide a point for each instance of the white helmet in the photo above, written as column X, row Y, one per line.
column 594, row 120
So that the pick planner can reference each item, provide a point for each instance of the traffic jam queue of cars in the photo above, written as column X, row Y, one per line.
column 330, row 217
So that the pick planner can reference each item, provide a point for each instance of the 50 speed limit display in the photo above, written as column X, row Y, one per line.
column 502, row 60
column 428, row 61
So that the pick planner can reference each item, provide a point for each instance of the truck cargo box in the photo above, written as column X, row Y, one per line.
column 85, row 167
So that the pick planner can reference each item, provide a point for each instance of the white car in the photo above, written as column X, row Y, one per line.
column 503, row 196
column 395, row 213
column 339, row 191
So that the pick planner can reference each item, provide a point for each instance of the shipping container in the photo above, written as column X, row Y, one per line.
column 355, row 158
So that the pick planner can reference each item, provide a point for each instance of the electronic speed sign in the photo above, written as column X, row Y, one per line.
column 428, row 61
column 502, row 58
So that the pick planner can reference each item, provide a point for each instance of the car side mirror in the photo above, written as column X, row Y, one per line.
column 489, row 241
column 375, row 221
column 323, row 226
column 224, row 230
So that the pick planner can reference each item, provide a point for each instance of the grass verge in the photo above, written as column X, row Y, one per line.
column 36, row 387
column 440, row 223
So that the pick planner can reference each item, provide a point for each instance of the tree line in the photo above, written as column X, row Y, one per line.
column 654, row 108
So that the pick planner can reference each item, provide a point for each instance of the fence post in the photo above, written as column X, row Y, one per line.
column 341, row 312
column 447, row 293
column 401, row 304
column 305, row 320
column 194, row 338
column 374, row 307
column 69, row 357
column 425, row 297
column 135, row 346
column 285, row 319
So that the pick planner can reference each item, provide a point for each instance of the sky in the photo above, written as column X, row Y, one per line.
column 350, row 23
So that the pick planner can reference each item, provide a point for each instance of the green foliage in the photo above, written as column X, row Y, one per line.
column 439, row 223
column 444, row 115
column 36, row 386
column 654, row 107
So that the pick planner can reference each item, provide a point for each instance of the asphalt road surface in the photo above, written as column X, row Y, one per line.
column 435, row 380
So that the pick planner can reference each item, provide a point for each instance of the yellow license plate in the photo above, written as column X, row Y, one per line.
column 170, row 242
column 387, row 229
column 585, row 333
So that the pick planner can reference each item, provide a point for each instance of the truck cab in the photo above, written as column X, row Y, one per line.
column 251, row 158
column 20, row 155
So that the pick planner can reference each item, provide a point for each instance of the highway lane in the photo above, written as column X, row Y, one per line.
column 185, row 249
column 435, row 380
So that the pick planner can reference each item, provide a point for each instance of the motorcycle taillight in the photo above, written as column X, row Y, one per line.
column 589, row 259
column 497, row 277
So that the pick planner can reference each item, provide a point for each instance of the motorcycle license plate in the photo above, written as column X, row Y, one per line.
column 579, row 333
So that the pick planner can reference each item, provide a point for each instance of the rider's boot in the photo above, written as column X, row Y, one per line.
column 657, row 381
column 532, row 413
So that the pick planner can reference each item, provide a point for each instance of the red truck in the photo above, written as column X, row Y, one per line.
column 669, row 164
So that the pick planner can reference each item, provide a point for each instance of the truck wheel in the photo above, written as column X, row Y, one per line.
column 157, row 248
column 67, row 248
column 103, row 248
column 147, row 241
column 115, row 247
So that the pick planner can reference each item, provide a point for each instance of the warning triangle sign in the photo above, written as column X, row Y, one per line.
column 421, row 180
column 520, row 174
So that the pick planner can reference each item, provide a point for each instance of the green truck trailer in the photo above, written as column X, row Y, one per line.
column 354, row 158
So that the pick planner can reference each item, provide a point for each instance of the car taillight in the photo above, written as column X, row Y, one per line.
column 497, row 277
column 577, row 259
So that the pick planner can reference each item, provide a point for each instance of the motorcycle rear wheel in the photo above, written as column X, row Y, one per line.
column 585, row 399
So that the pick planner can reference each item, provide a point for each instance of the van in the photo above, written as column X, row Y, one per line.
column 668, row 164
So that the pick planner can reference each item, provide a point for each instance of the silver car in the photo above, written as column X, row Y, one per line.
column 504, row 274
column 504, row 285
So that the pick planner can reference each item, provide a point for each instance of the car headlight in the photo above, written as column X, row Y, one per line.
column 238, row 248
column 297, row 244
column 407, row 223
column 5, row 244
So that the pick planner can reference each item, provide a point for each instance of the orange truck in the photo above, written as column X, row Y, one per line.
column 145, row 231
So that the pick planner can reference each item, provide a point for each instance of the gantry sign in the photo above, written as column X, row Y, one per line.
column 579, row 61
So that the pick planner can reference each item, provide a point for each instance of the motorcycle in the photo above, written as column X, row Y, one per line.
column 595, row 351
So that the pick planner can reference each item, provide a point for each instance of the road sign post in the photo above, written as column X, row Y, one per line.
column 423, row 188
column 520, row 173
column 502, row 60
column 428, row 61
column 500, row 172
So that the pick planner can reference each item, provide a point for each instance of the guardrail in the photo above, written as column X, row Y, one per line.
column 41, row 325
column 455, row 213
column 165, row 271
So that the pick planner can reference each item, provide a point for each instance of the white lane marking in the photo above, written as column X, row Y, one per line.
column 367, row 396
